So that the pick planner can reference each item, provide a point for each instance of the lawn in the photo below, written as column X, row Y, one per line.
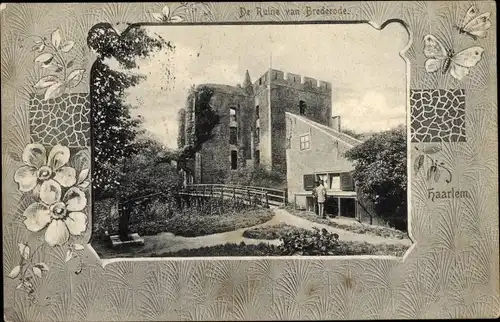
column 357, row 228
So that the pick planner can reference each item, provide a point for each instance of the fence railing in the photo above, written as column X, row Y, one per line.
column 247, row 194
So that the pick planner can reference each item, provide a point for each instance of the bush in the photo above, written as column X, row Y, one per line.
column 318, row 242
column 272, row 232
column 323, row 243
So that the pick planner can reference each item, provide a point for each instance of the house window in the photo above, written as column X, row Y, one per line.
column 257, row 112
column 346, row 181
column 234, row 160
column 305, row 142
column 334, row 183
column 257, row 157
column 309, row 182
column 302, row 107
column 260, row 81
column 232, row 114
column 233, row 135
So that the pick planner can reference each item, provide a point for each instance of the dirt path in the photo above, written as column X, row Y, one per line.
column 167, row 242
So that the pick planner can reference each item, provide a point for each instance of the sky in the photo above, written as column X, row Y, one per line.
column 363, row 64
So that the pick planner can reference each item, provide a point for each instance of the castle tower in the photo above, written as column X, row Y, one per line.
column 247, row 84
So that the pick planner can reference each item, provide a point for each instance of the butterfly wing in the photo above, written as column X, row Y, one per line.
column 468, row 57
column 478, row 26
column 464, row 60
column 459, row 72
column 433, row 65
column 471, row 13
column 433, row 48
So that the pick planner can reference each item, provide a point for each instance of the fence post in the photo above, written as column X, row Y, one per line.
column 234, row 194
column 222, row 192
column 267, row 200
column 211, row 190
column 249, row 198
column 286, row 198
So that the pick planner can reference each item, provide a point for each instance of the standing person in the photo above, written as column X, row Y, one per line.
column 320, row 193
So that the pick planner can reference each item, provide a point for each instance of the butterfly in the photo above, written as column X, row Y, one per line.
column 446, row 59
column 475, row 26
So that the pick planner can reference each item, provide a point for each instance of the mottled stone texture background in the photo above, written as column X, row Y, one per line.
column 63, row 120
column 450, row 272
column 438, row 115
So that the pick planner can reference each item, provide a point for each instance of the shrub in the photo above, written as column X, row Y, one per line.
column 321, row 243
column 318, row 242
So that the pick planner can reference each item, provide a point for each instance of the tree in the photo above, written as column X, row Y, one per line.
column 113, row 128
column 380, row 174
column 114, row 131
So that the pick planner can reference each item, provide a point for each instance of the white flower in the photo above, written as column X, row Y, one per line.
column 165, row 16
column 40, row 170
column 61, row 218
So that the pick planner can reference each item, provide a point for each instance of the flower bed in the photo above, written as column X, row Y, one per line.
column 358, row 228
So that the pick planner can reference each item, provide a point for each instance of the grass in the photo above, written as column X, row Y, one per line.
column 272, row 232
column 358, row 228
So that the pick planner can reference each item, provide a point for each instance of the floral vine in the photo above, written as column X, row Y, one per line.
column 53, row 57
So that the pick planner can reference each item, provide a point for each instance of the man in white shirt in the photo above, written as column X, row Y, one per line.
column 320, row 194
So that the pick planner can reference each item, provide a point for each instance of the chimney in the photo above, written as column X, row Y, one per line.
column 335, row 123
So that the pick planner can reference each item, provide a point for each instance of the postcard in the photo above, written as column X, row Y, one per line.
column 249, row 161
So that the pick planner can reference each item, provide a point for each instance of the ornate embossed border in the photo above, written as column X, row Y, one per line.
column 450, row 272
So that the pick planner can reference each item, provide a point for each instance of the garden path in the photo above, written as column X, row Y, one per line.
column 167, row 242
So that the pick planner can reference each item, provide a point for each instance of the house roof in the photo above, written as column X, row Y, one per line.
column 347, row 139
